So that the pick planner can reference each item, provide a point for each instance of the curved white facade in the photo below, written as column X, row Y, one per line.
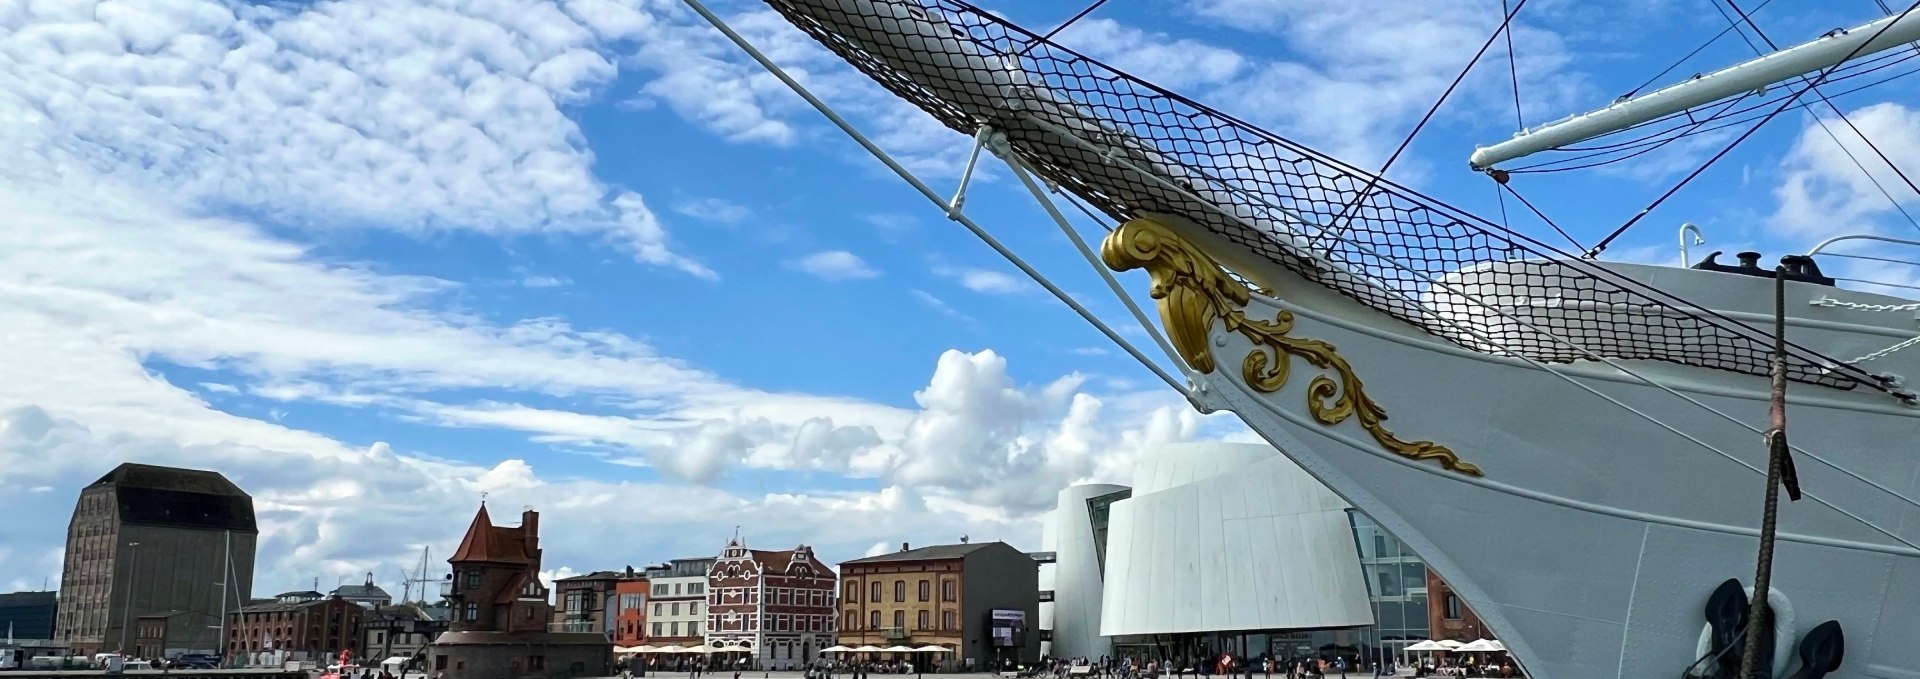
column 1224, row 537
column 1075, row 611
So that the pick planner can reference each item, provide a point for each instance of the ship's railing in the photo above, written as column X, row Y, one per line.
column 1131, row 149
column 1907, row 283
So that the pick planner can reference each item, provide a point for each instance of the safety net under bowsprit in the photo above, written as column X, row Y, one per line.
column 1131, row 149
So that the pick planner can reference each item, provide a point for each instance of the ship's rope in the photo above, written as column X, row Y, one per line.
column 1856, row 306
column 1779, row 472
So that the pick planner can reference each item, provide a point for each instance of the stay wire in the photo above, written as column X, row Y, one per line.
column 1333, row 228
column 1690, row 55
column 1562, row 165
column 1537, row 213
column 1063, row 26
column 1602, row 245
column 1849, row 121
column 1513, row 70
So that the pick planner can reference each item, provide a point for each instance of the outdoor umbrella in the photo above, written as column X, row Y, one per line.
column 867, row 649
column 835, row 649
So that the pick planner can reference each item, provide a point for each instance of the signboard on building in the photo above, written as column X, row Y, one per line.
column 1007, row 627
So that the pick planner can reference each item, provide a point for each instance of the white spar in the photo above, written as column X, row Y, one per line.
column 1807, row 57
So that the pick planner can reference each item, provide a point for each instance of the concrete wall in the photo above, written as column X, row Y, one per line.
column 177, row 569
column 998, row 576
column 1075, row 614
column 1223, row 537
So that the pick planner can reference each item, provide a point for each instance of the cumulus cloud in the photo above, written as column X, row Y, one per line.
column 984, row 280
column 1822, row 192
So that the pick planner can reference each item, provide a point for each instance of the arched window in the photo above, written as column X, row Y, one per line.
column 874, row 620
column 899, row 590
column 900, row 619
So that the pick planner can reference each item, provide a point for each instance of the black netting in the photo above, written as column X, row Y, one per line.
column 1131, row 149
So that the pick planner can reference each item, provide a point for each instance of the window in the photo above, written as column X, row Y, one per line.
column 926, row 620
column 473, row 579
column 899, row 591
column 473, row 612
column 440, row 661
column 676, row 588
column 674, row 628
column 657, row 607
column 659, row 589
column 781, row 597
column 873, row 621
column 693, row 629
column 697, row 588
column 693, row 607
column 1453, row 606
column 876, row 594
column 816, row 597
column 659, row 629
column 377, row 638
column 853, row 592
column 946, row 620
column 926, row 590
column 676, row 608
column 900, row 619
column 536, row 662
column 947, row 589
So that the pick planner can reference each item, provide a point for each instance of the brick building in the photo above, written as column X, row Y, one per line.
column 581, row 603
column 943, row 595
column 146, row 540
column 1448, row 616
column 500, row 616
column 779, row 604
column 294, row 627
column 630, row 612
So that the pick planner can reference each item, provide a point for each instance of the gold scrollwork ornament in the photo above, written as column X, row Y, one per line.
column 1192, row 290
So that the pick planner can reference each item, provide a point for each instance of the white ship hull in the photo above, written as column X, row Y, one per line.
column 1594, row 536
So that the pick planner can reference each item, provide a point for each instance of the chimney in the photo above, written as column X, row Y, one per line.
column 905, row 547
column 530, row 523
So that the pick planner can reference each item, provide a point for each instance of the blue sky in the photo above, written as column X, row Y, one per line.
column 373, row 258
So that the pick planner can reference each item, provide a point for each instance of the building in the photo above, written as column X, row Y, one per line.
column 147, row 539
column 29, row 615
column 678, row 605
column 171, row 634
column 975, row 599
column 1267, row 560
column 1076, row 534
column 367, row 595
column 1448, row 615
column 778, row 604
column 500, row 619
column 294, row 627
column 581, row 602
column 630, row 611
column 401, row 631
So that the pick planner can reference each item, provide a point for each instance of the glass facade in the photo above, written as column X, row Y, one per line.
column 1099, row 510
column 1396, row 587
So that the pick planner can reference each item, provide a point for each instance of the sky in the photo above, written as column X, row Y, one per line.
column 375, row 260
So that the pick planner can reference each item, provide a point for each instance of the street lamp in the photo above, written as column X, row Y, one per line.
column 126, row 609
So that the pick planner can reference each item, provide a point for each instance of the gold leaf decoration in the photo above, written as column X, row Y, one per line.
column 1192, row 291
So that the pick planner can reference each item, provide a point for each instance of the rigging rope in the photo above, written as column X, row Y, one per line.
column 1513, row 70
column 1063, row 26
column 1856, row 130
column 1338, row 224
column 1602, row 245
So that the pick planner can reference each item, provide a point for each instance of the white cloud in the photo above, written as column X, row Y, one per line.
column 421, row 117
column 714, row 210
column 543, row 282
column 985, row 281
column 940, row 305
column 834, row 265
column 1823, row 193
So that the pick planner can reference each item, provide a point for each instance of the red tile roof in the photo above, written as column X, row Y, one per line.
column 495, row 544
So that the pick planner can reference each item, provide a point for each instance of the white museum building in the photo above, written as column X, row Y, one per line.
column 1221, row 547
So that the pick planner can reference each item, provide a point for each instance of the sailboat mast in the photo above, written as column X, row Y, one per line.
column 1809, row 57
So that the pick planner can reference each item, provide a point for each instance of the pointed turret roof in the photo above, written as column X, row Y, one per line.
column 487, row 542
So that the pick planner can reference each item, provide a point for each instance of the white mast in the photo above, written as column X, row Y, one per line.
column 1812, row 56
